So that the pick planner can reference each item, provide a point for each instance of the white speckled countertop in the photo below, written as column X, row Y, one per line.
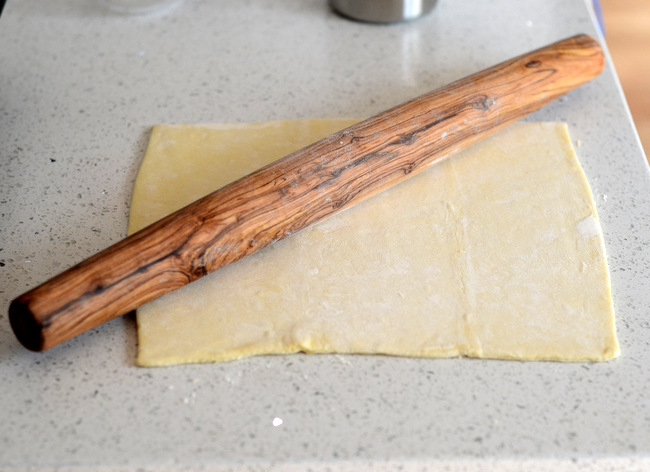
column 80, row 88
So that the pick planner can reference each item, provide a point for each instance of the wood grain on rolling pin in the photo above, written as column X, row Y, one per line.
column 298, row 190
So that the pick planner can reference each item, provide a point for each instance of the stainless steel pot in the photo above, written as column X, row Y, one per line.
column 383, row 11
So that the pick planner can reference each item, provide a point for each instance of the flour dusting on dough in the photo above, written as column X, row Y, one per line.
column 589, row 227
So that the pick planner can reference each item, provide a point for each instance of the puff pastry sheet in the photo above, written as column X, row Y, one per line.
column 494, row 253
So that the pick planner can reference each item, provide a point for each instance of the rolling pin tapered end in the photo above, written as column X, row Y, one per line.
column 25, row 326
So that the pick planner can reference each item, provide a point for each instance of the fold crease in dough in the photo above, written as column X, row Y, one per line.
column 495, row 253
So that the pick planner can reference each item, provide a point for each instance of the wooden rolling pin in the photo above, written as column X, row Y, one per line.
column 298, row 190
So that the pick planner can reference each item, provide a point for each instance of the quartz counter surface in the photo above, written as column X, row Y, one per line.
column 80, row 88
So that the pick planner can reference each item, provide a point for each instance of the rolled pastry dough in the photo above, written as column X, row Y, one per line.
column 494, row 253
